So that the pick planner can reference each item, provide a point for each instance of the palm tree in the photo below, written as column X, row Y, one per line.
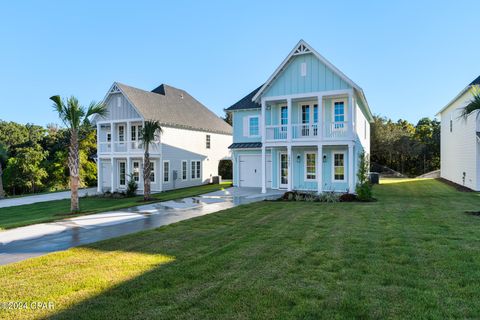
column 74, row 116
column 150, row 131
column 3, row 159
column 473, row 105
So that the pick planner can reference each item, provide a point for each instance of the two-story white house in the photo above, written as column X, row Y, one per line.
column 460, row 140
column 303, row 129
column 187, row 153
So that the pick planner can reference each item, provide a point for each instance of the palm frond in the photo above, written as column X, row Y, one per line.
column 60, row 108
column 473, row 105
column 150, row 130
column 96, row 109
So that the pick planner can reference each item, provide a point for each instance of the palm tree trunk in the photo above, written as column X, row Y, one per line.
column 73, row 166
column 146, row 176
column 2, row 192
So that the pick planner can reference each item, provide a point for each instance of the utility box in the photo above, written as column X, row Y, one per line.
column 374, row 177
column 175, row 175
column 217, row 179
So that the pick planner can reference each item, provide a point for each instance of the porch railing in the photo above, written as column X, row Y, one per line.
column 126, row 146
column 330, row 130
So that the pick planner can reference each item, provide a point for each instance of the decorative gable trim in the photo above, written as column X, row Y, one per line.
column 303, row 48
column 114, row 89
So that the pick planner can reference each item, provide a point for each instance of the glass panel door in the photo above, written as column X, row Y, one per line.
column 283, row 170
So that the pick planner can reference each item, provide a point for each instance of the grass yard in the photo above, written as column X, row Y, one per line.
column 12, row 217
column 413, row 254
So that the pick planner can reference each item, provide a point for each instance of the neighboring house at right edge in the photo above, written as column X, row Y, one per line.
column 305, row 109
column 459, row 141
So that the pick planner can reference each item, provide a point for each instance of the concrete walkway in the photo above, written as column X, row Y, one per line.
column 11, row 202
column 35, row 240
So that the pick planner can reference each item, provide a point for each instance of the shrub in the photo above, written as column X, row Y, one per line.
column 225, row 169
column 132, row 186
column 364, row 187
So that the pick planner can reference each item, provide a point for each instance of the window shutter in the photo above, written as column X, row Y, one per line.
column 246, row 129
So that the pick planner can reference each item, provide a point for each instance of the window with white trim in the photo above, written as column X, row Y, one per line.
column 119, row 101
column 122, row 173
column 136, row 171
column 253, row 126
column 310, row 166
column 121, row 133
column 207, row 140
column 166, row 171
column 152, row 172
column 283, row 118
column 339, row 114
column 196, row 169
column 339, row 167
column 184, row 170
column 303, row 69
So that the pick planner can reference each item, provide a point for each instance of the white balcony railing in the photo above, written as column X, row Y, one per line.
column 126, row 147
column 304, row 131
column 313, row 131
column 276, row 132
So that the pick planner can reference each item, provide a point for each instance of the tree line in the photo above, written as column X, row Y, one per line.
column 404, row 147
column 35, row 158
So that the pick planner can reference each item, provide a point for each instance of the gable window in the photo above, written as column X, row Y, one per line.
column 152, row 171
column 208, row 141
column 196, row 169
column 136, row 171
column 338, row 167
column 119, row 101
column 253, row 127
column 184, row 170
column 451, row 125
column 339, row 114
column 122, row 173
column 166, row 171
column 310, row 166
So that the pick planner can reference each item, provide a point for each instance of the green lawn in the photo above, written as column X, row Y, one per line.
column 413, row 254
column 12, row 217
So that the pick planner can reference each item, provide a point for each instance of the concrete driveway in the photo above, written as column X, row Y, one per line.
column 11, row 202
column 35, row 240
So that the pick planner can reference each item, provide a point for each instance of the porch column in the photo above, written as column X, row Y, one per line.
column 320, row 117
column 112, row 176
column 99, row 174
column 128, row 168
column 351, row 185
column 113, row 136
column 289, row 120
column 351, row 112
column 129, row 136
column 319, row 168
column 289, row 161
column 264, row 167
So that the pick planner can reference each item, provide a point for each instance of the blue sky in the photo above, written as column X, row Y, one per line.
column 410, row 57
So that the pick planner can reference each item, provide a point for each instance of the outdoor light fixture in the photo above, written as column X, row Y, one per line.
column 298, row 158
column 324, row 158
column 268, row 107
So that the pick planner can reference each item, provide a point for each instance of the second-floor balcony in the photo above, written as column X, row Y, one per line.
column 135, row 147
column 309, row 131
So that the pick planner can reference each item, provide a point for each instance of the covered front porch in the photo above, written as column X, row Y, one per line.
column 319, row 168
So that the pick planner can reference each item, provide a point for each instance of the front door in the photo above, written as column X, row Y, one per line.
column 283, row 170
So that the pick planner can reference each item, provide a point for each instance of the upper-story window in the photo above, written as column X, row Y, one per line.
column 305, row 113
column 315, row 113
column 253, row 126
column 121, row 133
column 303, row 69
column 119, row 101
column 339, row 114
column 283, row 116
column 207, row 141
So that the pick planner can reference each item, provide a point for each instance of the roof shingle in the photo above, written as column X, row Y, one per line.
column 174, row 107
column 246, row 102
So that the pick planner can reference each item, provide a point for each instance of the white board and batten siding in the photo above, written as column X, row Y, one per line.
column 119, row 108
column 459, row 152
column 191, row 145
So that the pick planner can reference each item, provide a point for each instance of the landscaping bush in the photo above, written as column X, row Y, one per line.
column 132, row 186
column 364, row 187
column 225, row 169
